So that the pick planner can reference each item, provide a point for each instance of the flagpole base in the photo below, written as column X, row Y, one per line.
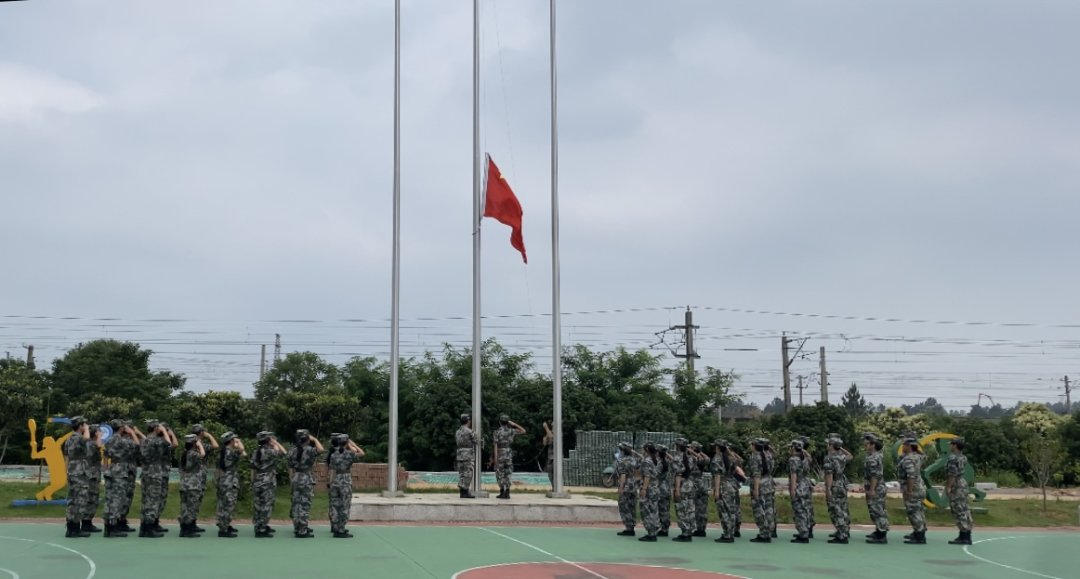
column 392, row 494
column 481, row 494
column 562, row 495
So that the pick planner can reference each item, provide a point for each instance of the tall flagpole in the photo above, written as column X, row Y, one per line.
column 476, row 213
column 556, row 311
column 392, row 471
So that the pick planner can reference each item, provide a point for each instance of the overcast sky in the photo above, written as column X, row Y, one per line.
column 227, row 164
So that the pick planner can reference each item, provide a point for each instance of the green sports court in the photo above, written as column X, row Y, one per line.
column 37, row 550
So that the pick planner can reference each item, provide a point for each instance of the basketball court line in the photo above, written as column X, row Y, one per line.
column 552, row 555
column 93, row 566
column 13, row 574
column 1011, row 568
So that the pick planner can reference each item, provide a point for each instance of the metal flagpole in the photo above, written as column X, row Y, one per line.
column 556, row 312
column 392, row 471
column 476, row 213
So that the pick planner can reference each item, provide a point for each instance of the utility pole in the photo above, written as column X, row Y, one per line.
column 801, row 389
column 277, row 348
column 688, row 330
column 262, row 363
column 30, row 356
column 784, row 341
column 824, row 378
column 1068, row 399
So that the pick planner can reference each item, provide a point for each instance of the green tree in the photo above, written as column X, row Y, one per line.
column 1036, row 418
column 303, row 372
column 854, row 402
column 244, row 416
column 114, row 369
column 1045, row 455
column 21, row 398
column 99, row 408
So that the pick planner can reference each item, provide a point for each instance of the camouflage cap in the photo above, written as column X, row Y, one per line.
column 117, row 424
column 152, row 424
column 804, row 439
column 198, row 429
column 190, row 438
column 466, row 417
column 911, row 440
column 721, row 443
column 228, row 437
column 626, row 446
column 661, row 447
column 868, row 435
column 340, row 438
column 696, row 446
column 796, row 444
column 92, row 428
column 264, row 436
column 835, row 441
column 504, row 417
column 761, row 441
column 957, row 440
column 302, row 433
column 129, row 424
column 77, row 421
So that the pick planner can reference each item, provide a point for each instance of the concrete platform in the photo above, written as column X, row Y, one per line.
column 533, row 508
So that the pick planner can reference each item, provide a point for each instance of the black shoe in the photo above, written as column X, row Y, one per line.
column 963, row 539
column 187, row 531
column 662, row 533
column 919, row 538
column 123, row 525
column 146, row 530
column 113, row 531
column 832, row 535
column 232, row 529
column 877, row 538
column 342, row 535
column 800, row 540
column 698, row 533
column 909, row 536
column 271, row 530
column 772, row 535
column 760, row 539
column 725, row 540
column 305, row 534
column 683, row 539
column 88, row 526
column 226, row 534
column 156, row 525
column 737, row 533
column 838, row 541
column 810, row 535
column 648, row 539
column 263, row 534
column 627, row 533
column 74, row 531
column 195, row 528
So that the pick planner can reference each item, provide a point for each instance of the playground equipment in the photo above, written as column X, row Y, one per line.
column 941, row 440
column 52, row 452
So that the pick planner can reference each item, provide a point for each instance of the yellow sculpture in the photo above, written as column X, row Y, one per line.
column 52, row 451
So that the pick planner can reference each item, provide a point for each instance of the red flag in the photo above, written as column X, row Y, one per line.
column 501, row 203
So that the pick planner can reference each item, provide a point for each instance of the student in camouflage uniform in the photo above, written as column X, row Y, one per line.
column 626, row 472
column 874, row 487
column 228, row 482
column 760, row 482
column 504, row 455
column 770, row 486
column 812, row 470
column 190, row 490
column 739, row 463
column 836, row 489
column 93, row 479
column 301, row 460
column 725, row 489
column 701, row 497
column 798, row 487
column 203, row 474
column 549, row 466
column 651, row 467
column 956, row 489
column 343, row 454
column 663, row 507
column 156, row 452
column 122, row 451
column 264, row 486
column 685, row 490
column 466, row 441
column 76, row 448
column 129, row 480
column 909, row 474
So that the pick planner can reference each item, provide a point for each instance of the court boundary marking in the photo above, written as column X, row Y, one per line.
column 568, row 562
column 93, row 566
column 1010, row 567
column 13, row 574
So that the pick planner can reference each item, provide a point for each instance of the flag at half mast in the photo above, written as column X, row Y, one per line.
column 501, row 204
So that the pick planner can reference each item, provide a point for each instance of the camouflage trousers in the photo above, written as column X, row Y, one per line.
column 227, row 496
column 961, row 512
column 727, row 506
column 190, row 501
column 155, row 491
column 738, row 508
column 764, row 508
column 116, row 492
column 503, row 469
column 264, row 490
column 800, row 515
column 466, row 470
column 628, row 500
column 340, row 505
column 93, row 496
column 701, row 505
column 78, row 496
column 650, row 511
column 300, row 511
column 770, row 508
column 663, row 507
column 838, row 511
column 129, row 497
column 916, row 511
column 685, row 509
column 875, row 503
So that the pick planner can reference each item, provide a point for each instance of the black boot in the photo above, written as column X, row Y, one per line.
column 662, row 533
column 195, row 528
column 648, row 539
column 156, row 525
column 772, row 534
column 226, row 533
column 263, row 534
column 74, row 531
column 838, row 541
column 88, row 526
column 114, row 531
column 125, row 527
column 270, row 529
column 799, row 539
column 918, row 538
column 506, row 495
column 725, row 540
column 628, row 532
column 342, row 535
column 698, row 533
column 760, row 539
column 877, row 538
column 737, row 534
column 963, row 539
column 147, row 530
column 187, row 531
column 233, row 529
column 683, row 539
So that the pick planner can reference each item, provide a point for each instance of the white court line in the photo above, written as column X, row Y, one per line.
column 93, row 567
column 13, row 574
column 535, row 548
column 1011, row 568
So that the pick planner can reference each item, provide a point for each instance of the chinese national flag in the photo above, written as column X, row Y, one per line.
column 501, row 204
